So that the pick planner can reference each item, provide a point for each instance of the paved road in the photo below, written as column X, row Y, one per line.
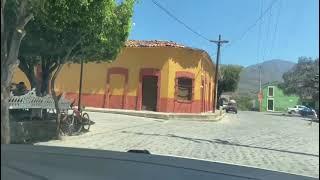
column 263, row 140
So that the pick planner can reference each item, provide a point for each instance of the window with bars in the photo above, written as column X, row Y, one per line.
column 184, row 89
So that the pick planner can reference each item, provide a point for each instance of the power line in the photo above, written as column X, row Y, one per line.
column 254, row 24
column 259, row 34
column 275, row 28
column 267, row 36
column 179, row 21
column 258, row 57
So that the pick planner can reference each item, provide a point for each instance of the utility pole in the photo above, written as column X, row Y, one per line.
column 259, row 78
column 260, row 90
column 80, row 86
column 219, row 43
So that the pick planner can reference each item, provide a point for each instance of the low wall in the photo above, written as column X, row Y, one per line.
column 32, row 131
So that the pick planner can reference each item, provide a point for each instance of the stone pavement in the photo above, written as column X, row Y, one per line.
column 262, row 140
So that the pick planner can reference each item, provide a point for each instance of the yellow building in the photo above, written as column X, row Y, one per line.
column 147, row 75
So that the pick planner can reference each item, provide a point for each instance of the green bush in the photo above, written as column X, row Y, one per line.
column 244, row 103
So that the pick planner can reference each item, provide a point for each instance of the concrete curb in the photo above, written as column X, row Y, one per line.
column 165, row 116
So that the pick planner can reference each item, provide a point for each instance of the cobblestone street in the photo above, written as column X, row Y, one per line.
column 262, row 140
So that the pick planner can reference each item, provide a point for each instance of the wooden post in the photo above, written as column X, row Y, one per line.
column 219, row 43
column 80, row 86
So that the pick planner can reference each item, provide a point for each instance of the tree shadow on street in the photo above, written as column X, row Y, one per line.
column 220, row 141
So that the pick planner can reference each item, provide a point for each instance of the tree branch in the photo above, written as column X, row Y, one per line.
column 52, row 68
column 3, row 3
column 26, row 20
column 28, row 71
column 18, row 33
column 76, row 53
column 23, row 65
column 67, row 56
column 24, row 17
column 55, row 76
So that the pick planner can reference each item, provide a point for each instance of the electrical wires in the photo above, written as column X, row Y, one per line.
column 179, row 21
column 254, row 24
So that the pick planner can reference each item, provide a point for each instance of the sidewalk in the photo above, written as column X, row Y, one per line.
column 218, row 115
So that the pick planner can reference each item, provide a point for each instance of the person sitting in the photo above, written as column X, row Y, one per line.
column 21, row 89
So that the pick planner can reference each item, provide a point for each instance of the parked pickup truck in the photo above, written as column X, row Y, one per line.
column 295, row 109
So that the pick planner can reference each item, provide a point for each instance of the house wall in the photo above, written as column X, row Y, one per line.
column 189, row 63
column 281, row 101
column 118, row 84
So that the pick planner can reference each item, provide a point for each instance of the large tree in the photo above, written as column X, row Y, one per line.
column 301, row 79
column 229, row 76
column 72, row 31
column 15, row 15
column 95, row 30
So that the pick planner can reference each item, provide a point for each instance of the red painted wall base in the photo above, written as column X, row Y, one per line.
column 165, row 104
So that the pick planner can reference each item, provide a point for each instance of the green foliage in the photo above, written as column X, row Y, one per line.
column 12, row 8
column 89, row 30
column 73, row 30
column 229, row 78
column 300, row 80
column 244, row 102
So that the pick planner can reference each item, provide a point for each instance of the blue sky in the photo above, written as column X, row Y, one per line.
column 297, row 32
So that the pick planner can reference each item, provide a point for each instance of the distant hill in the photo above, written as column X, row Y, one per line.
column 271, row 70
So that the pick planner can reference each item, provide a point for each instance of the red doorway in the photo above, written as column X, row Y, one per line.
column 144, row 74
column 149, row 93
column 117, row 101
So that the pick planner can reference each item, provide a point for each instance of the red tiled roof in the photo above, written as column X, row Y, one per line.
column 157, row 43
column 152, row 43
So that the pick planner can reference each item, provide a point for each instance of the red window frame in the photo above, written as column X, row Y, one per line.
column 187, row 75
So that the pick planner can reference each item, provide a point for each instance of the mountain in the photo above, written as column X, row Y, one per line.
column 271, row 70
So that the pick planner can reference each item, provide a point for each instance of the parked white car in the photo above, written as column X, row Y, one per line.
column 295, row 109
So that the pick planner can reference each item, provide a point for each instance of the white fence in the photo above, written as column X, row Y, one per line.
column 31, row 101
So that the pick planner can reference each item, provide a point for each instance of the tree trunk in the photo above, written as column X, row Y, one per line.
column 46, row 77
column 41, row 84
column 48, row 67
column 58, row 66
column 34, row 82
column 56, row 101
column 5, row 83
column 28, row 69
column 5, row 126
column 9, row 61
column 6, row 77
